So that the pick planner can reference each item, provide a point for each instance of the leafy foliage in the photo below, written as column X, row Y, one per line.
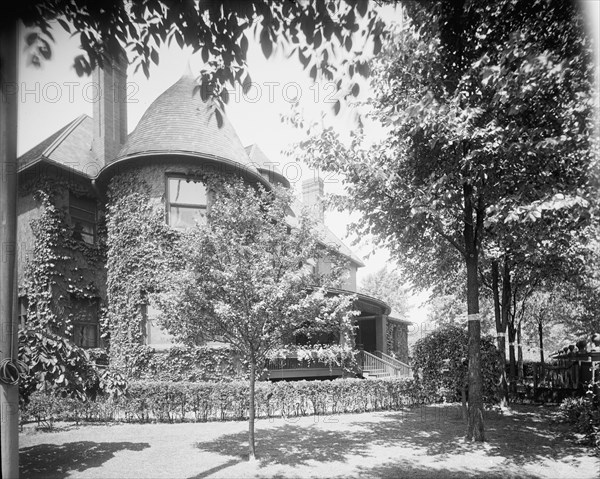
column 247, row 277
column 142, row 248
column 388, row 285
column 186, row 363
column 55, row 365
column 487, row 113
column 59, row 271
column 319, row 33
column 164, row 401
column 584, row 414
column 441, row 361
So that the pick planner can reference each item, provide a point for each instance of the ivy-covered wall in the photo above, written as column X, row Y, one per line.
column 62, row 278
column 142, row 248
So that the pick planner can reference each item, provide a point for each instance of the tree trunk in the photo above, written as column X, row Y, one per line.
column 541, row 336
column 512, row 370
column 500, row 337
column 475, row 410
column 509, row 322
column 519, row 353
column 251, row 445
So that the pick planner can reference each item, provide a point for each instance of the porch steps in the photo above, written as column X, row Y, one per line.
column 381, row 366
column 376, row 373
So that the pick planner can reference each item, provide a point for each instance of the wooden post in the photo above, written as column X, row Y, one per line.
column 9, row 394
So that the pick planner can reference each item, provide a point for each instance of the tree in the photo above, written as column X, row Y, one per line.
column 387, row 284
column 315, row 32
column 487, row 110
column 247, row 280
column 547, row 309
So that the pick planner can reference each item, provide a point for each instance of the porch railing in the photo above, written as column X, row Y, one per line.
column 378, row 367
column 402, row 367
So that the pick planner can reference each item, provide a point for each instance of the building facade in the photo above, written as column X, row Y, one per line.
column 87, row 274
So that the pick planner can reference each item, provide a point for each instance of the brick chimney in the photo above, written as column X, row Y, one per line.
column 312, row 197
column 110, row 109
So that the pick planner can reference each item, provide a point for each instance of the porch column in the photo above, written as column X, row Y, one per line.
column 380, row 334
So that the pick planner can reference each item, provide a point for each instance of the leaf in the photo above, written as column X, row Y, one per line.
column 154, row 56
column 219, row 117
column 247, row 84
column 31, row 38
column 336, row 107
column 64, row 24
column 244, row 45
column 362, row 6
column 355, row 89
column 265, row 42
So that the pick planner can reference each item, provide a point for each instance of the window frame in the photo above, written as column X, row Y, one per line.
column 95, row 324
column 79, row 218
column 169, row 203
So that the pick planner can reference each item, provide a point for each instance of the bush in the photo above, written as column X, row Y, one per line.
column 208, row 401
column 439, row 359
column 584, row 414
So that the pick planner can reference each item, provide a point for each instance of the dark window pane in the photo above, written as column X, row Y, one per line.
column 85, row 335
column 83, row 218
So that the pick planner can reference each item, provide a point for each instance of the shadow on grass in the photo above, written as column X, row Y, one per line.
column 59, row 460
column 525, row 437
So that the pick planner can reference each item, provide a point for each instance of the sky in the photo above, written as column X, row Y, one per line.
column 53, row 95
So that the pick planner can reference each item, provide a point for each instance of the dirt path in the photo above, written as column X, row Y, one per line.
column 418, row 443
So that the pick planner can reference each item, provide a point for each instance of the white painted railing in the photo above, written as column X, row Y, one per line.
column 371, row 364
column 404, row 368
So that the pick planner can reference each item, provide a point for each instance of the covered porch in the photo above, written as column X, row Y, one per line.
column 380, row 341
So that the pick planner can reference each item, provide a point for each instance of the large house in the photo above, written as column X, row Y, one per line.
column 88, row 278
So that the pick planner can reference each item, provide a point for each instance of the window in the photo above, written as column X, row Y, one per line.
column 152, row 333
column 86, row 331
column 83, row 218
column 23, row 303
column 187, row 200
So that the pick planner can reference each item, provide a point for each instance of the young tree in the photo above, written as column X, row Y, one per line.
column 247, row 280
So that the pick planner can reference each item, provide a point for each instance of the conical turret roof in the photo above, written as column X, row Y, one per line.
column 179, row 122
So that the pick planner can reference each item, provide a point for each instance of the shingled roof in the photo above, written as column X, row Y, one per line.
column 265, row 165
column 69, row 147
column 179, row 122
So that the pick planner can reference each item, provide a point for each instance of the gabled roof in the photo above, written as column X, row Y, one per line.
column 69, row 147
column 179, row 122
column 327, row 236
column 264, row 164
column 330, row 238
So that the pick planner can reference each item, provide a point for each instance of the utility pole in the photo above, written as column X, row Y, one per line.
column 9, row 372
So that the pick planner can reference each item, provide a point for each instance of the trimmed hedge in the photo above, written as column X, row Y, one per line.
column 160, row 401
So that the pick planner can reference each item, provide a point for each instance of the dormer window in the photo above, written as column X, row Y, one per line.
column 83, row 218
column 187, row 202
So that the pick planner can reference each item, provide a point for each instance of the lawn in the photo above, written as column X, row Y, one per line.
column 416, row 443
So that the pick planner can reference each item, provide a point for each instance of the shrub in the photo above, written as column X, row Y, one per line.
column 584, row 414
column 163, row 401
column 439, row 359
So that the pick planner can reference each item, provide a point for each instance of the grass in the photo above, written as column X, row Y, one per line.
column 416, row 443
